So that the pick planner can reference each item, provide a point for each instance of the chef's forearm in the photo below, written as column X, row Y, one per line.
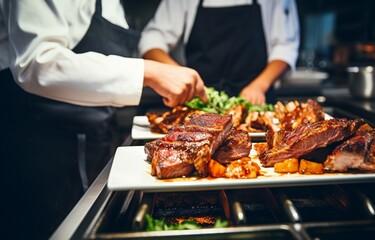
column 273, row 71
column 159, row 55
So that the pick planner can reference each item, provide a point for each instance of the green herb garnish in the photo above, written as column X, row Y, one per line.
column 219, row 102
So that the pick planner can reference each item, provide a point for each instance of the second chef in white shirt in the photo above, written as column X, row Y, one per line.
column 240, row 46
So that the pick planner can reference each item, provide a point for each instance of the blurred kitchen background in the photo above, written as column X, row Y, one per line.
column 335, row 34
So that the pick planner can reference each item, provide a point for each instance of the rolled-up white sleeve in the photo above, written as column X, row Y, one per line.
column 43, row 64
column 282, row 30
column 166, row 27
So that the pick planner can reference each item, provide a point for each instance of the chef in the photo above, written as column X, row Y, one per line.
column 65, row 68
column 240, row 46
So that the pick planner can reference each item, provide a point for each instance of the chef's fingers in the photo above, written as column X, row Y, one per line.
column 174, row 83
column 178, row 94
column 200, row 90
column 172, row 100
column 192, row 86
column 190, row 91
column 167, row 102
column 258, row 99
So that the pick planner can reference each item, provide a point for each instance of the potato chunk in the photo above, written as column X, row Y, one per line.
column 242, row 168
column 289, row 165
column 215, row 169
column 309, row 167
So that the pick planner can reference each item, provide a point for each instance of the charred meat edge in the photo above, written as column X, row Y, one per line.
column 308, row 137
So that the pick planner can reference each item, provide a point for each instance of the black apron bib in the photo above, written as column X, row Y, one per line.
column 56, row 149
column 227, row 46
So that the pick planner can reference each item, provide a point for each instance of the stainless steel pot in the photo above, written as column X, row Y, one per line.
column 362, row 81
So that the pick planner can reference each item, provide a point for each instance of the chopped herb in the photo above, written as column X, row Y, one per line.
column 219, row 102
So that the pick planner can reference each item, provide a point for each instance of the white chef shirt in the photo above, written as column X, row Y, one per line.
column 175, row 18
column 36, row 38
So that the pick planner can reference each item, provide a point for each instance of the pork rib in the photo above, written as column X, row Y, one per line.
column 355, row 154
column 308, row 137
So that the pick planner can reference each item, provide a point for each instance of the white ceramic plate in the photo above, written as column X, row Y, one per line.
column 141, row 129
column 130, row 171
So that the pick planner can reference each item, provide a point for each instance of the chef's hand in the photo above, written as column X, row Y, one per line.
column 254, row 93
column 175, row 84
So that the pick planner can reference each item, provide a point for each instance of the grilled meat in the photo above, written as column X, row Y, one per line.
column 295, row 113
column 259, row 122
column 163, row 122
column 237, row 145
column 309, row 137
column 260, row 147
column 173, row 155
column 209, row 123
column 355, row 154
column 238, row 112
column 275, row 139
column 189, row 147
column 285, row 117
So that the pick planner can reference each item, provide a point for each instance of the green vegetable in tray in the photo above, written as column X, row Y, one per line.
column 219, row 102
column 160, row 224
column 220, row 223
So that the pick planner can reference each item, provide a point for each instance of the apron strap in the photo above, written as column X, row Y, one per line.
column 81, row 147
column 98, row 7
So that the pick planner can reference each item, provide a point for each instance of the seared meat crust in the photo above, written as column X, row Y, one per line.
column 308, row 137
column 188, row 148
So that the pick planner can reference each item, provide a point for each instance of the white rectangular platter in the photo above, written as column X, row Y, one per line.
column 130, row 171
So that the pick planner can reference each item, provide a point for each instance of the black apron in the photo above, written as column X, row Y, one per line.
column 56, row 149
column 227, row 46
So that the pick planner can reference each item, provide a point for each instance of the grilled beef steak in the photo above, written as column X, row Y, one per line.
column 189, row 147
column 175, row 153
column 355, row 154
column 237, row 145
column 309, row 137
